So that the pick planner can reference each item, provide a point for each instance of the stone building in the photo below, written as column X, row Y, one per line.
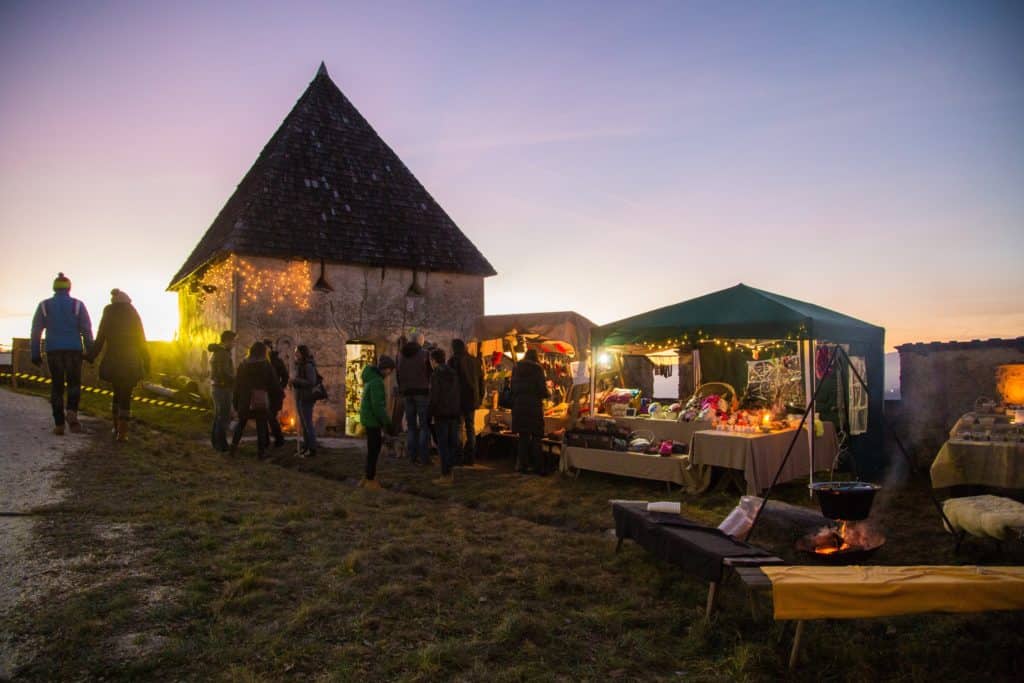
column 329, row 240
column 939, row 382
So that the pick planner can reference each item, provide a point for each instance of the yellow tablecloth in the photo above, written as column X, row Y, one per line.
column 806, row 592
column 981, row 463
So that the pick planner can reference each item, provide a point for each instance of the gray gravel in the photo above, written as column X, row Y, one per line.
column 30, row 459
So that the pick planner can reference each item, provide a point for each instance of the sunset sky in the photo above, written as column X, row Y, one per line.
column 606, row 157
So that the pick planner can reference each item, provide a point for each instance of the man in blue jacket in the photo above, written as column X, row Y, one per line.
column 68, row 334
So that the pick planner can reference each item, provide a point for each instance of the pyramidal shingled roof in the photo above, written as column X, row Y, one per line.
column 327, row 187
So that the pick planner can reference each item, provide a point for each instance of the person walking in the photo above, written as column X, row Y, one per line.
column 373, row 414
column 257, row 387
column 471, row 391
column 529, row 389
column 414, row 385
column 122, row 341
column 281, row 370
column 222, row 381
column 68, row 333
column 445, row 411
column 305, row 380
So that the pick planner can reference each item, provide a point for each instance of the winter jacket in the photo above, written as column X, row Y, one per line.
column 66, row 322
column 280, row 367
column 444, row 394
column 471, row 381
column 373, row 411
column 126, row 360
column 222, row 368
column 413, row 374
column 281, row 370
column 252, row 375
column 305, row 379
column 529, row 389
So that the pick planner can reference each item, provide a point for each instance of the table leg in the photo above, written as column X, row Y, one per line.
column 618, row 546
column 796, row 645
column 712, row 591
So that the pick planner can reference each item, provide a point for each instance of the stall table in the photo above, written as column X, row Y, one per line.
column 486, row 416
column 979, row 463
column 670, row 469
column 759, row 455
column 679, row 432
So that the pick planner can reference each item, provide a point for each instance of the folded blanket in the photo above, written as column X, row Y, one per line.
column 982, row 516
column 805, row 592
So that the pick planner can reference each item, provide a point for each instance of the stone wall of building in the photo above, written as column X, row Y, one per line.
column 276, row 299
column 941, row 381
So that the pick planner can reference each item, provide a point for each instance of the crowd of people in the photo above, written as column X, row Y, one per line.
column 440, row 392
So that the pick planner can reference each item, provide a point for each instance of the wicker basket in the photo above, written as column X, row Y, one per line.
column 709, row 388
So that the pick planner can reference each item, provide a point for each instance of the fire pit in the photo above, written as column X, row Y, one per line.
column 848, row 543
column 853, row 540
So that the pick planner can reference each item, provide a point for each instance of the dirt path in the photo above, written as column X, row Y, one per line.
column 30, row 459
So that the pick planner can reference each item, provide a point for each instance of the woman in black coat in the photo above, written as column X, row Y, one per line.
column 126, row 360
column 257, row 387
column 529, row 389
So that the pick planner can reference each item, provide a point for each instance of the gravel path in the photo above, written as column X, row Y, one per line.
column 30, row 458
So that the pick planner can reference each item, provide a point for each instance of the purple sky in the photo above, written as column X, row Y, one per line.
column 606, row 158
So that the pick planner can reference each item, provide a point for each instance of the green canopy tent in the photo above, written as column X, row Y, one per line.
column 747, row 313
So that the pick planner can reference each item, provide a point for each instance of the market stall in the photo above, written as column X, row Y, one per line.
column 561, row 340
column 775, row 349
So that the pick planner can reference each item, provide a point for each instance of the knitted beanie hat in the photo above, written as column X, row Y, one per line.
column 119, row 297
column 61, row 282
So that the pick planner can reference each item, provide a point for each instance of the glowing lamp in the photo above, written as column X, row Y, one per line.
column 1010, row 383
column 604, row 359
column 766, row 419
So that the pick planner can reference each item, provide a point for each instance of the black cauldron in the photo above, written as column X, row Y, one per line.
column 845, row 500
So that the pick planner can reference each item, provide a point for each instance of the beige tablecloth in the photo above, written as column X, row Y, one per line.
column 758, row 456
column 680, row 432
column 671, row 468
column 981, row 463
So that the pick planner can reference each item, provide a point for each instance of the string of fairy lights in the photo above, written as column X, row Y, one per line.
column 273, row 287
column 756, row 347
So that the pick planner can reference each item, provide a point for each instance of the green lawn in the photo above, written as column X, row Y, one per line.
column 173, row 562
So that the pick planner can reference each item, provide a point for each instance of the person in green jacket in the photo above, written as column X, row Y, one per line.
column 373, row 413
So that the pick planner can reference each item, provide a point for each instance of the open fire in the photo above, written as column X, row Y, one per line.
column 848, row 541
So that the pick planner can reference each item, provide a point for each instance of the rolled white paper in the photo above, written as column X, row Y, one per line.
column 665, row 506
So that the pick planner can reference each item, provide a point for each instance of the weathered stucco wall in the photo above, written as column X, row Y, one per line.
column 276, row 300
column 940, row 382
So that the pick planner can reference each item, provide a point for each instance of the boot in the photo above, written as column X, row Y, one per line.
column 73, row 424
column 58, row 430
column 122, row 429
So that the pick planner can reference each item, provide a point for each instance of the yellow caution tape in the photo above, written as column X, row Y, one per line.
column 105, row 392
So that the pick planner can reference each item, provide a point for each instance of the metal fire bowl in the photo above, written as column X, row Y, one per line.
column 845, row 500
column 840, row 557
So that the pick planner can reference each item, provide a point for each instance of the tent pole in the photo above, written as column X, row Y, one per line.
column 593, row 381
column 696, row 369
column 809, row 376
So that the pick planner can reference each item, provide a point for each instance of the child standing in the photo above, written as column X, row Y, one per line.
column 373, row 414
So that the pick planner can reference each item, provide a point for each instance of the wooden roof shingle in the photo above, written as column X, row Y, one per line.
column 327, row 187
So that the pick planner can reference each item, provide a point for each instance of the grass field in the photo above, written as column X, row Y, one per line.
column 173, row 562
